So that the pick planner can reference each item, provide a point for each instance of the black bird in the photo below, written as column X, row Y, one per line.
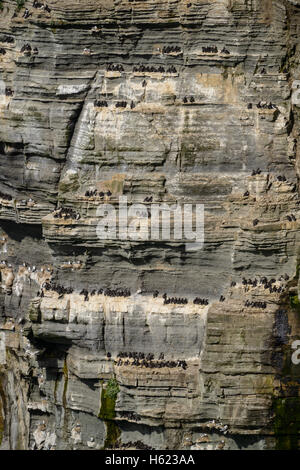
column 26, row 14
column 225, row 51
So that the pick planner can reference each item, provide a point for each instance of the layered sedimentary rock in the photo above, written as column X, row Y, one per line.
column 173, row 102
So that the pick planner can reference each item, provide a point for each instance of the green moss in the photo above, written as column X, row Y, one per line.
column 66, row 379
column 34, row 313
column 55, row 389
column 112, row 389
column 287, row 422
column 113, row 433
column 2, row 407
column 107, row 413
column 297, row 272
column 20, row 4
column 108, row 402
column 295, row 303
column 70, row 186
column 64, row 399
column 1, row 8
column 286, row 399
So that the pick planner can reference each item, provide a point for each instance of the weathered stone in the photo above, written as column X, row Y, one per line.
column 197, row 122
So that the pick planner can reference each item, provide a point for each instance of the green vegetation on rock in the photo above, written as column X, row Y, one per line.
column 70, row 184
column 66, row 379
column 112, row 389
column 287, row 422
column 34, row 313
column 295, row 302
column 20, row 4
column 107, row 412
column 2, row 407
column 286, row 404
column 108, row 400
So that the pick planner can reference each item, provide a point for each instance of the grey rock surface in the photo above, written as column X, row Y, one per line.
column 210, row 91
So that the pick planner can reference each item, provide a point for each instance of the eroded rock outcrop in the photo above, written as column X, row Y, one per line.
column 182, row 101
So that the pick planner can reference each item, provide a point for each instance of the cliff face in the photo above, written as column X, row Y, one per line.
column 209, row 93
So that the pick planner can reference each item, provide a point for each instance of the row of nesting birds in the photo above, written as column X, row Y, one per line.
column 114, row 292
column 140, row 68
column 123, row 104
column 138, row 445
column 124, row 292
column 108, row 292
column 38, row 5
column 265, row 283
column 290, row 218
column 152, row 364
column 279, row 178
column 263, row 105
column 30, row 269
